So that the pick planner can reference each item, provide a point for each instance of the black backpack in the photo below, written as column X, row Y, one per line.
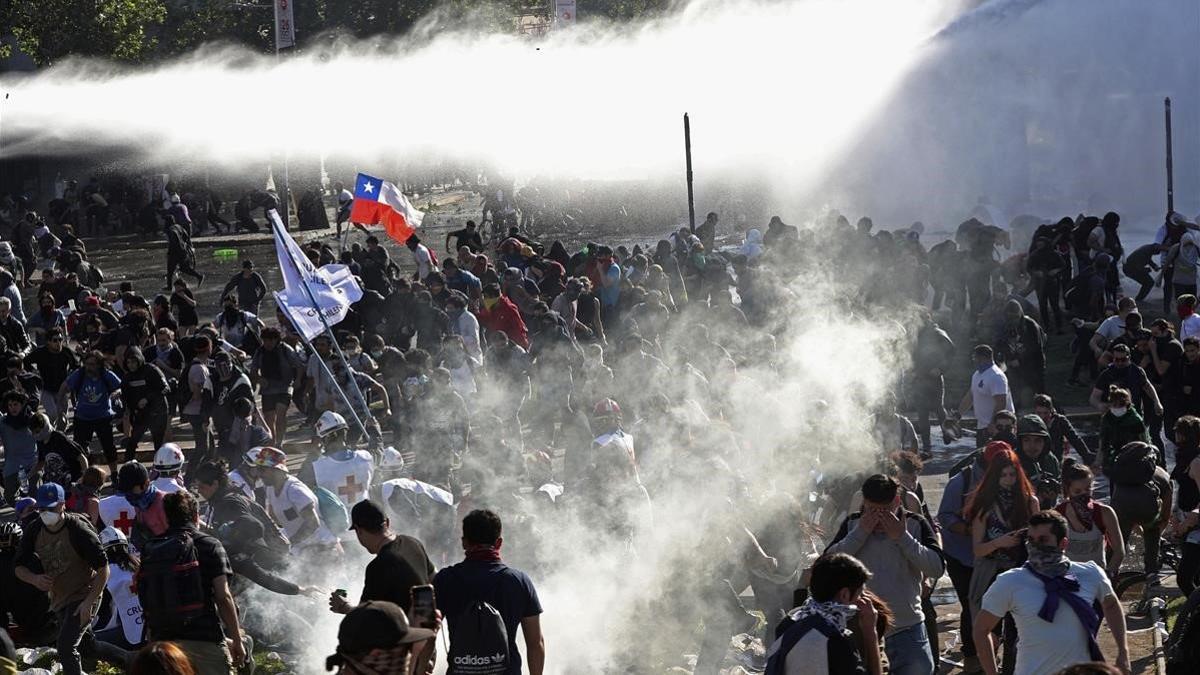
column 1134, row 466
column 169, row 585
column 480, row 644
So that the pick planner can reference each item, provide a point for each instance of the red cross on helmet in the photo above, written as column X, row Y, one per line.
column 606, row 408
column 271, row 458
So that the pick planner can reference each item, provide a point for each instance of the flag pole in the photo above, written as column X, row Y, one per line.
column 337, row 348
column 687, row 149
column 328, row 373
column 1170, row 159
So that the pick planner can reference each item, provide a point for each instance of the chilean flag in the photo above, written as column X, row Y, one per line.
column 378, row 202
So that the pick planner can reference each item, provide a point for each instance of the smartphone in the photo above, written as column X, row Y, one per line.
column 423, row 607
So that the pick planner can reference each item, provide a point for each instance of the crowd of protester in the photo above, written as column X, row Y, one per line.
column 512, row 381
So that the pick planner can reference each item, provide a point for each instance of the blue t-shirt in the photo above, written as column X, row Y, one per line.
column 610, row 291
column 92, row 400
column 509, row 590
column 463, row 282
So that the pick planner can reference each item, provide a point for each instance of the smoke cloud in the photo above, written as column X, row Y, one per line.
column 900, row 108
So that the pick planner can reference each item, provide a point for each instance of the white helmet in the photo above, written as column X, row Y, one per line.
column 391, row 460
column 169, row 458
column 111, row 536
column 329, row 423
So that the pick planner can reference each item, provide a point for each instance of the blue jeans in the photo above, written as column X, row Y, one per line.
column 908, row 651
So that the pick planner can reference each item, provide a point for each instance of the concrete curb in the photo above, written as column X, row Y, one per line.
column 1160, row 657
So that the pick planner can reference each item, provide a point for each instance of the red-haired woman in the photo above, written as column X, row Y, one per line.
column 999, row 510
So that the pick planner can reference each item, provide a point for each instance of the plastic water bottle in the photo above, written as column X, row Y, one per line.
column 23, row 479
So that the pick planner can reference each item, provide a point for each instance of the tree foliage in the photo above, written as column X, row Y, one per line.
column 136, row 30
column 48, row 30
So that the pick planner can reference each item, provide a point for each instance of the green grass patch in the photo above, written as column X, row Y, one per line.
column 1171, row 613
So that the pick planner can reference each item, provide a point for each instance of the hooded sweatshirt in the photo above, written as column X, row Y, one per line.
column 505, row 318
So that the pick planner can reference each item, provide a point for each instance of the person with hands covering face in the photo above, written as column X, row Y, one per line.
column 75, row 570
column 901, row 550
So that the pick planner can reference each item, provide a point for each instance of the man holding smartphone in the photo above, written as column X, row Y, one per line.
column 400, row 561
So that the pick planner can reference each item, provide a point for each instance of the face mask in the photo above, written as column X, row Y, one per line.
column 1047, row 560
column 50, row 518
column 1082, row 500
column 1119, row 412
column 982, row 367
column 376, row 353
column 490, row 302
column 144, row 500
column 1183, row 312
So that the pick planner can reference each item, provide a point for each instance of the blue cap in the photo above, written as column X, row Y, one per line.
column 24, row 503
column 49, row 495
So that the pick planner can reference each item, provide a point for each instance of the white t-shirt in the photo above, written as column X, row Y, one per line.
column 287, row 507
column 1111, row 328
column 984, row 386
column 1046, row 647
column 1189, row 326
column 424, row 261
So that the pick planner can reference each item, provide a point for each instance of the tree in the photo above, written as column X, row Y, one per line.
column 49, row 30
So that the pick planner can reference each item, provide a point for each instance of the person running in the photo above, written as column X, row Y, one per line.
column 74, row 570
column 275, row 367
column 999, row 511
column 94, row 388
column 1142, row 495
column 249, row 287
column 1050, row 599
column 180, row 254
column 1062, row 432
column 988, row 394
column 1094, row 525
column 1121, row 424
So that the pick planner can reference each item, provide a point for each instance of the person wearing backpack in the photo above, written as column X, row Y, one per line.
column 94, row 388
column 484, row 601
column 75, row 571
column 817, row 636
column 183, row 585
column 1141, row 495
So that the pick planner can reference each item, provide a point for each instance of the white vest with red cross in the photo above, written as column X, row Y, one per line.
column 116, row 511
column 346, row 473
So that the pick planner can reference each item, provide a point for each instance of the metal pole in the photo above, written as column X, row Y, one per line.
column 341, row 356
column 1170, row 160
column 286, row 195
column 687, row 148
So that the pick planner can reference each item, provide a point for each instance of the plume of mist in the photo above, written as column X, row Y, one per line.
column 599, row 100
column 1042, row 107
